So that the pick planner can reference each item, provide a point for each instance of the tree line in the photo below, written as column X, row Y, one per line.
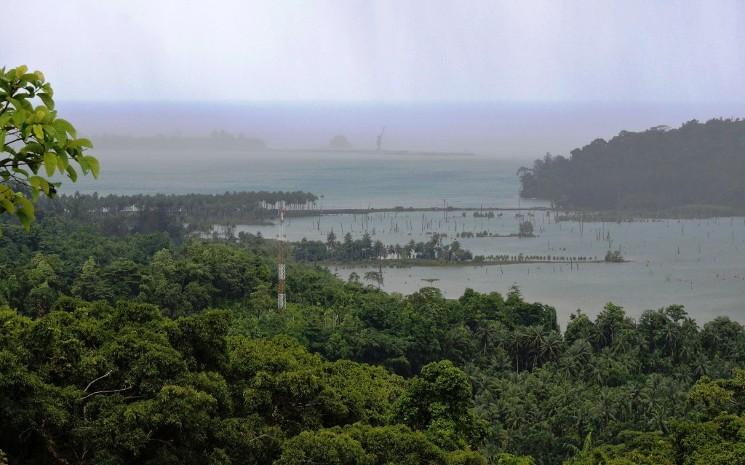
column 176, row 213
column 351, row 250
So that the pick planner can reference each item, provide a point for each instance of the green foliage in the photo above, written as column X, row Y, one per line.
column 96, row 384
column 35, row 144
column 708, row 436
column 509, row 459
column 361, row 444
column 634, row 449
column 439, row 401
column 695, row 169
column 325, row 447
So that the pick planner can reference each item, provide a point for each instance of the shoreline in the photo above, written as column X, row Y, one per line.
column 559, row 215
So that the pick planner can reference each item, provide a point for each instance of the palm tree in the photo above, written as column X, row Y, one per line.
column 488, row 333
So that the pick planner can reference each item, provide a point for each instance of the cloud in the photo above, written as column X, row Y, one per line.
column 388, row 50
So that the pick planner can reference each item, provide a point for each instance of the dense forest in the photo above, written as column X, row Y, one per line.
column 143, row 348
column 698, row 168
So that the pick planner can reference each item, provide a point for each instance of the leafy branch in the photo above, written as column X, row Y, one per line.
column 35, row 144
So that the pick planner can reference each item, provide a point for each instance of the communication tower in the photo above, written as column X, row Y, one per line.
column 281, row 258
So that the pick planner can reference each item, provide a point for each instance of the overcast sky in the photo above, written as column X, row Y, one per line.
column 397, row 50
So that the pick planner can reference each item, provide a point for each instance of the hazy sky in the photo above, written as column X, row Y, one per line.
column 397, row 50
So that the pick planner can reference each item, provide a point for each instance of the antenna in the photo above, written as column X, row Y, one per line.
column 281, row 257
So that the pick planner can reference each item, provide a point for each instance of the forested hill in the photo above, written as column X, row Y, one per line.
column 694, row 166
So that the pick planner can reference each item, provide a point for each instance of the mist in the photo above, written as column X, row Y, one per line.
column 501, row 130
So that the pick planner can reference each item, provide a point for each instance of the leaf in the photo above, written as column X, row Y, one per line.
column 39, row 183
column 83, row 164
column 47, row 99
column 2, row 139
column 50, row 131
column 38, row 131
column 6, row 195
column 50, row 163
column 26, row 212
column 40, row 113
column 7, row 205
column 61, row 162
column 19, row 117
column 64, row 126
column 32, row 147
column 71, row 173
column 93, row 165
column 83, row 142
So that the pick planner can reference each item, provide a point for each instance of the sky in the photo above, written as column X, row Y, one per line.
column 383, row 51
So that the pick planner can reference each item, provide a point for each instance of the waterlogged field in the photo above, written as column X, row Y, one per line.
column 696, row 263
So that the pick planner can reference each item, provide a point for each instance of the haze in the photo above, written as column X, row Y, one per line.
column 518, row 78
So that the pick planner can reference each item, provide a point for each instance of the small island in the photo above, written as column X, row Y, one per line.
column 340, row 142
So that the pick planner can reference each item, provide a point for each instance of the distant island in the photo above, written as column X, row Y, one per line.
column 217, row 140
column 698, row 168
column 226, row 141
column 340, row 142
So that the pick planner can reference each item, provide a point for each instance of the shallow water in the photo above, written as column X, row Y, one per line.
column 696, row 263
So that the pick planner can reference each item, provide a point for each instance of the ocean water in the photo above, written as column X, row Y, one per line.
column 342, row 180
column 696, row 263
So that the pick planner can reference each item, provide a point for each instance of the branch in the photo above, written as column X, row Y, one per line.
column 108, row 373
column 13, row 89
column 13, row 141
column 107, row 391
